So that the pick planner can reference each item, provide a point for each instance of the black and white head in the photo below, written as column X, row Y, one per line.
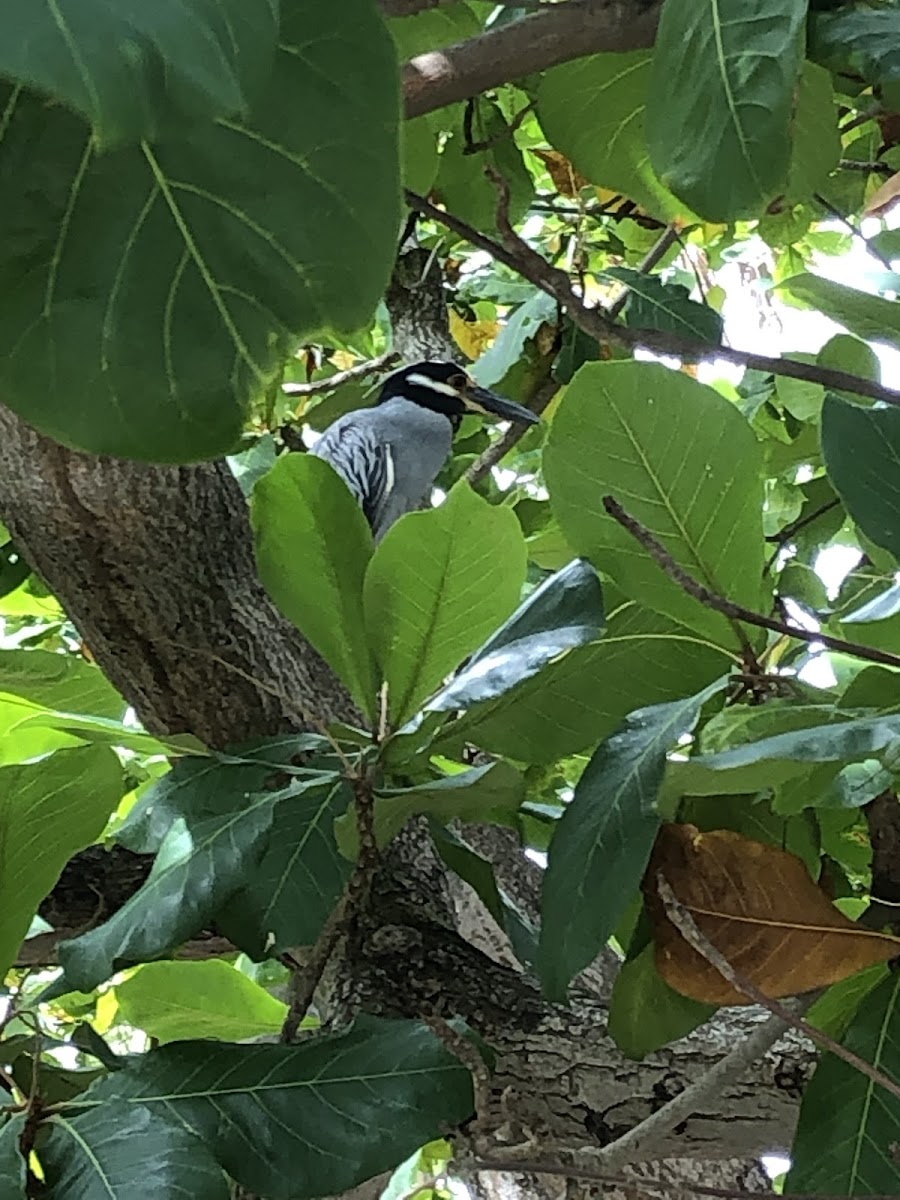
column 444, row 387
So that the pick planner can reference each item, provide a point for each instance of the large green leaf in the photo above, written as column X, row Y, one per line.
column 593, row 111
column 858, row 39
column 48, row 811
column 132, row 69
column 59, row 681
column 147, row 295
column 134, row 1153
column 602, row 843
column 340, row 1109
column 869, row 317
column 653, row 304
column 720, row 101
column 12, row 1164
column 461, row 181
column 817, row 143
column 680, row 459
column 493, row 792
column 438, row 584
column 586, row 692
column 645, row 1014
column 862, row 456
column 209, row 853
column 565, row 611
column 848, row 1123
column 313, row 545
column 173, row 1001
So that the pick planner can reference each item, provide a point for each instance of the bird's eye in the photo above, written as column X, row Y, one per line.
column 459, row 381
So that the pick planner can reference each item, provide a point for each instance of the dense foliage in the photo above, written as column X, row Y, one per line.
column 622, row 643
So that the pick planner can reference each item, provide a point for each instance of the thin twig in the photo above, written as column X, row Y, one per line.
column 474, row 147
column 728, row 608
column 527, row 262
column 684, row 922
column 370, row 367
column 638, row 1141
column 637, row 1183
column 784, row 535
column 868, row 114
column 656, row 253
column 497, row 450
column 835, row 212
column 875, row 168
column 467, row 1053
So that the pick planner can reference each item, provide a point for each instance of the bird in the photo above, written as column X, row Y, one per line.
column 389, row 455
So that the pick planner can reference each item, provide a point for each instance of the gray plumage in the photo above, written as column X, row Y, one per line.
column 389, row 456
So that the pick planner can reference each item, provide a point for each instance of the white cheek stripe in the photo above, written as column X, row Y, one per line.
column 434, row 384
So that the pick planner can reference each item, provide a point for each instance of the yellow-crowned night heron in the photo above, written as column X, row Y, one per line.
column 390, row 455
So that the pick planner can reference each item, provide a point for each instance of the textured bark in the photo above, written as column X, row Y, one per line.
column 154, row 565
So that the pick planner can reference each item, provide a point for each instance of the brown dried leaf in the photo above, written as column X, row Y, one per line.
column 565, row 178
column 883, row 197
column 758, row 906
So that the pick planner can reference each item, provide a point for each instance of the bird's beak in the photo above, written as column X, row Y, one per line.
column 482, row 400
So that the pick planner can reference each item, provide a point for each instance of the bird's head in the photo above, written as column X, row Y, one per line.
column 445, row 388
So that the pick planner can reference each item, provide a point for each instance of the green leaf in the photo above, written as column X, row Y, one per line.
column 299, row 879
column 104, row 731
column 433, row 29
column 521, row 325
column 461, row 181
column 847, row 1121
column 835, row 1009
column 173, row 1001
column 771, row 760
column 151, row 293
column 680, row 459
column 587, row 692
column 12, row 1164
column 862, row 456
column 869, row 317
column 565, row 611
column 346, row 1107
column 653, row 304
column 479, row 873
column 208, row 854
column 437, row 585
column 490, row 793
column 59, row 681
column 48, row 811
column 134, row 70
column 858, row 40
column 603, row 841
column 816, row 141
column 313, row 545
column 127, row 1153
column 593, row 111
column 720, row 100
column 645, row 1014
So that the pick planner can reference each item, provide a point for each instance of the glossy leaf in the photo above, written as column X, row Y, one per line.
column 49, row 811
column 154, row 291
column 210, row 851
column 583, row 695
column 345, row 1107
column 759, row 908
column 593, row 111
column 720, row 100
column 127, row 1152
column 493, row 792
column 817, row 143
column 848, row 1123
column 859, row 40
column 438, row 584
column 313, row 546
column 869, row 317
column 132, row 69
column 565, row 611
column 174, row 1001
column 681, row 460
column 862, row 456
column 603, row 841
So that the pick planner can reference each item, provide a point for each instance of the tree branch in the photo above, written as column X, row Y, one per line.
column 527, row 262
column 546, row 39
column 370, row 367
column 728, row 608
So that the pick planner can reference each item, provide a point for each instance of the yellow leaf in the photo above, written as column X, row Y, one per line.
column 472, row 337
